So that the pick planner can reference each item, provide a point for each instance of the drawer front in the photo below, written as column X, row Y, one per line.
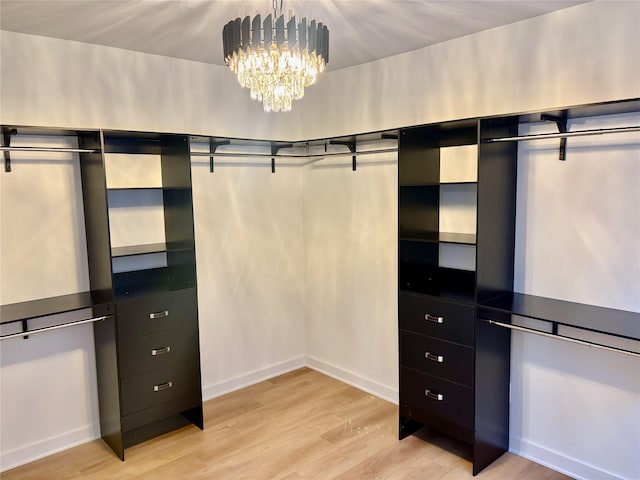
column 435, row 396
column 155, row 313
column 442, row 359
column 160, row 386
column 142, row 354
column 444, row 320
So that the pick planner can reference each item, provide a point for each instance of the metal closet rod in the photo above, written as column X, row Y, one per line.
column 314, row 155
column 47, row 149
column 563, row 338
column 26, row 333
column 580, row 133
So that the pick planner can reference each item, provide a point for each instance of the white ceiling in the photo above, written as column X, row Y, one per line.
column 360, row 31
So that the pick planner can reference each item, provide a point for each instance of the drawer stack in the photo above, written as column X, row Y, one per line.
column 158, row 358
column 437, row 363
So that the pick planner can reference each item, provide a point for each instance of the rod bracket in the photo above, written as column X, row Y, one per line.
column 351, row 145
column 6, row 139
column 213, row 145
column 275, row 148
column 561, row 122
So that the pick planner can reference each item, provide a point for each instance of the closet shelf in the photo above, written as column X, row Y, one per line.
column 145, row 249
column 133, row 189
column 436, row 184
column 559, row 313
column 438, row 237
column 48, row 149
column 98, row 303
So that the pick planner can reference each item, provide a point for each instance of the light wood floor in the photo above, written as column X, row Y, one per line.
column 302, row 425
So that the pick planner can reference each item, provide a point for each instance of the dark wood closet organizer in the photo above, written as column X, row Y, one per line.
column 454, row 323
column 145, row 313
column 147, row 355
column 454, row 318
column 454, row 376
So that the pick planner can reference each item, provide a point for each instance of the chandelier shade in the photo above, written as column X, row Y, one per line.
column 273, row 60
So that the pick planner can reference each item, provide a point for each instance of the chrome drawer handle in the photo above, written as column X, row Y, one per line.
column 432, row 318
column 162, row 314
column 433, row 358
column 162, row 386
column 436, row 396
column 160, row 351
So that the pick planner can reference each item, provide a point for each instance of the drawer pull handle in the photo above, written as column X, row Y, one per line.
column 160, row 351
column 436, row 396
column 433, row 358
column 162, row 314
column 162, row 386
column 433, row 318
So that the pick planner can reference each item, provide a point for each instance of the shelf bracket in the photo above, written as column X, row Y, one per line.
column 213, row 145
column 351, row 145
column 275, row 148
column 561, row 122
column 6, row 138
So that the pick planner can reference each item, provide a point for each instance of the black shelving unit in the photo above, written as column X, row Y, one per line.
column 454, row 371
column 454, row 324
column 147, row 356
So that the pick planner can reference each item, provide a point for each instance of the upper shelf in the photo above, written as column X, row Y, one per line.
column 608, row 321
column 15, row 312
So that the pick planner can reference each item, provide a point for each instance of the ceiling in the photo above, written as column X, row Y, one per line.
column 360, row 31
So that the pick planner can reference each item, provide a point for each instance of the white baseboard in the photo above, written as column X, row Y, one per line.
column 43, row 448
column 561, row 463
column 362, row 383
column 251, row 378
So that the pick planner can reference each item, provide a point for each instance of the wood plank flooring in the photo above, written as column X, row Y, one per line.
column 301, row 425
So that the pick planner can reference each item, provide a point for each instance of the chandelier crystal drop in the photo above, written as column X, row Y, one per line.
column 273, row 60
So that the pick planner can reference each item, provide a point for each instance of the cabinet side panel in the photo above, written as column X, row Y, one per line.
column 492, row 372
column 179, row 228
column 96, row 220
column 108, row 384
column 497, row 170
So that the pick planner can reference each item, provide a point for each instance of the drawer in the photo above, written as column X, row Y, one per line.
column 141, row 354
column 453, row 322
column 159, row 386
column 434, row 396
column 443, row 359
column 155, row 313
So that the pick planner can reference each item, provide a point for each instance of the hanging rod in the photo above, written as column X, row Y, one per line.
column 313, row 155
column 47, row 149
column 54, row 327
column 561, row 337
column 580, row 133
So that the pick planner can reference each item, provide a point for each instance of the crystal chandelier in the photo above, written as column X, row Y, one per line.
column 275, row 61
